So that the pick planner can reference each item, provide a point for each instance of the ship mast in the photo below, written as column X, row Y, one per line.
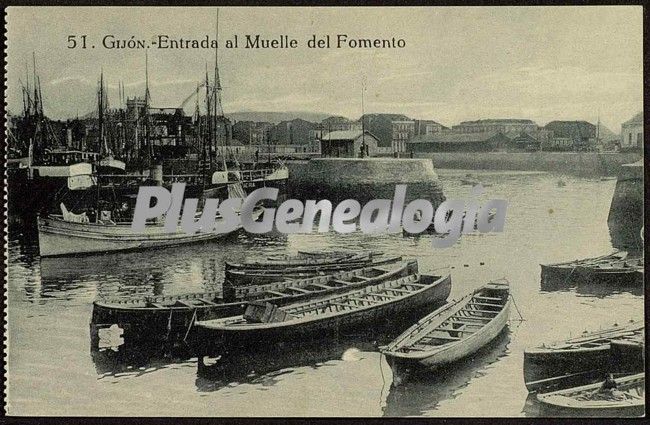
column 218, row 107
column 100, row 110
column 146, row 110
column 208, row 118
column 363, row 124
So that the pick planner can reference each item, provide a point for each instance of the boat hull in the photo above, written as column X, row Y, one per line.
column 546, row 364
column 618, row 277
column 592, row 400
column 208, row 340
column 259, row 277
column 455, row 352
column 582, row 357
column 57, row 237
column 172, row 323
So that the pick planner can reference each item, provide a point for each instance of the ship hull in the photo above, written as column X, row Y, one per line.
column 57, row 237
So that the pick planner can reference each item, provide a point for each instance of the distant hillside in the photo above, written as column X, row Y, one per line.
column 276, row 117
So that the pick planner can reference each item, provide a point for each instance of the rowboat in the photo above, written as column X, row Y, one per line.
column 452, row 332
column 624, row 272
column 566, row 272
column 389, row 302
column 242, row 276
column 72, row 234
column 582, row 355
column 628, row 355
column 302, row 259
column 57, row 237
column 627, row 399
column 166, row 317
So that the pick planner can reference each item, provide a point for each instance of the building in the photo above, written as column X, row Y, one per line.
column 251, row 132
column 330, row 124
column 381, row 126
column 581, row 133
column 450, row 141
column 559, row 144
column 506, row 126
column 135, row 107
column 348, row 144
column 632, row 133
column 294, row 132
column 403, row 131
column 425, row 127
column 525, row 142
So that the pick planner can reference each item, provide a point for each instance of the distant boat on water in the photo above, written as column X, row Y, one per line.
column 70, row 234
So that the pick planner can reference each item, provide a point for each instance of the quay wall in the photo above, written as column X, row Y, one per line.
column 578, row 163
column 363, row 179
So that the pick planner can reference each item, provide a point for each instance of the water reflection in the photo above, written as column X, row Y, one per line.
column 262, row 366
column 52, row 299
column 423, row 392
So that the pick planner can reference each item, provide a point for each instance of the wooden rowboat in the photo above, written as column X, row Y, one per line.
column 628, row 355
column 58, row 237
column 627, row 399
column 565, row 273
column 585, row 354
column 451, row 332
column 302, row 258
column 242, row 276
column 389, row 302
column 167, row 317
column 623, row 272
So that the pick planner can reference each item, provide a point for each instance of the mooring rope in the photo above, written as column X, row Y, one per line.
column 521, row 318
column 383, row 380
column 189, row 327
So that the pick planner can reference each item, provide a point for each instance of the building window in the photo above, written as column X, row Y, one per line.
column 639, row 139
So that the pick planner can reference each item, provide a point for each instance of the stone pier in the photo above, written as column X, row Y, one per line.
column 363, row 179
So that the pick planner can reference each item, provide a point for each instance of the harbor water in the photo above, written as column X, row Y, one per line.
column 53, row 370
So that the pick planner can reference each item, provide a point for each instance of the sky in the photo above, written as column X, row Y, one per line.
column 459, row 63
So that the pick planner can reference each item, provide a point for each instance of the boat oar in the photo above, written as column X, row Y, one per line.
column 189, row 327
column 547, row 381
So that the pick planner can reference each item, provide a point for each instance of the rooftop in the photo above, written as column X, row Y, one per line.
column 452, row 137
column 344, row 135
column 498, row 121
column 637, row 119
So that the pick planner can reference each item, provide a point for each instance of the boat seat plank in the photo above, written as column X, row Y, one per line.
column 342, row 304
column 418, row 347
column 479, row 311
column 208, row 302
column 377, row 294
column 320, row 285
column 459, row 319
column 304, row 291
column 276, row 293
column 186, row 304
column 405, row 291
column 342, row 282
column 365, row 300
column 157, row 305
column 480, row 297
column 450, row 328
column 485, row 304
column 445, row 337
column 420, row 285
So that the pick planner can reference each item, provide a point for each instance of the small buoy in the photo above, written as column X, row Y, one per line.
column 482, row 263
column 465, row 265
